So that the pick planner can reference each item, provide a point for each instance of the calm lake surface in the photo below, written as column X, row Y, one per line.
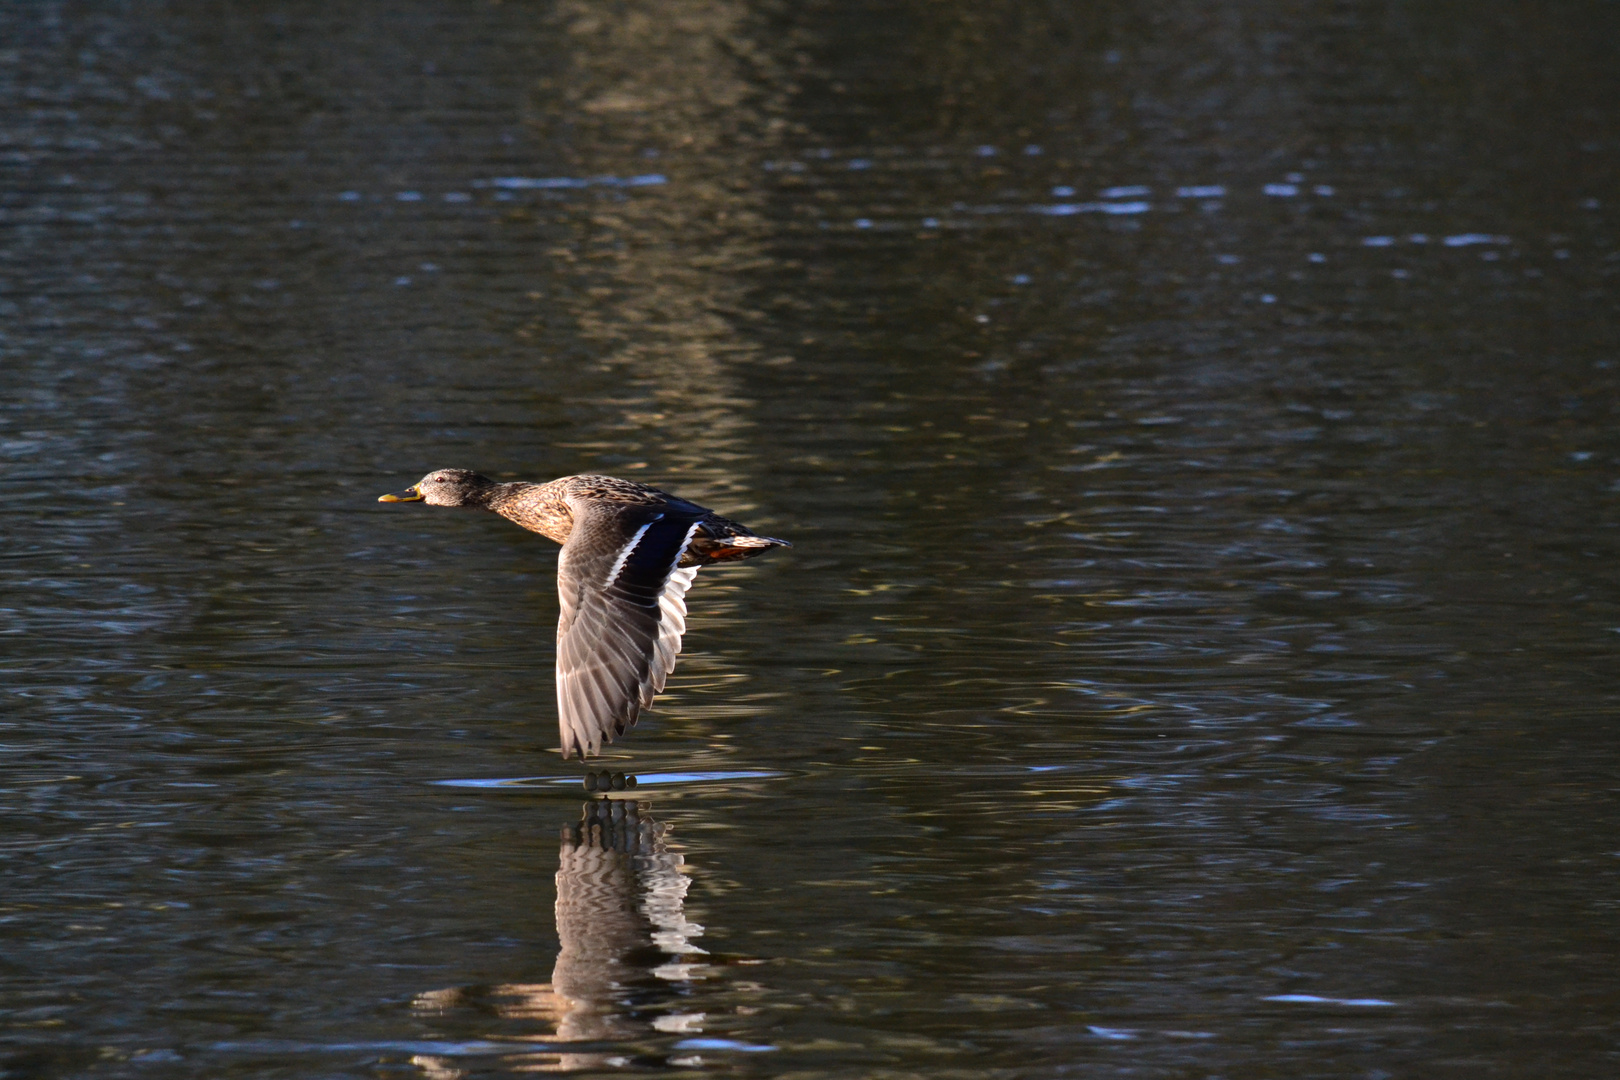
column 1197, row 425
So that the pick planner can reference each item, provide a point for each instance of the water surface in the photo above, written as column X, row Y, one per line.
column 1198, row 434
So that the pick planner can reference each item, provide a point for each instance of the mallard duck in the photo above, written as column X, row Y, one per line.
column 629, row 553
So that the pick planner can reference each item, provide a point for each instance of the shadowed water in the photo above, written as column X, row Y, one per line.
column 1197, row 430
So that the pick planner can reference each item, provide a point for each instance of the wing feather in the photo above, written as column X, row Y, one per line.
column 671, row 625
column 623, row 614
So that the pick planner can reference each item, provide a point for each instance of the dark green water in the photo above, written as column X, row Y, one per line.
column 1197, row 425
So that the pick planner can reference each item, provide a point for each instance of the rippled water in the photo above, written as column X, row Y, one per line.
column 1196, row 425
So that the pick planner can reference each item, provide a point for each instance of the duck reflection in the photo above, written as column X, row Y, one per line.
column 627, row 957
column 621, row 918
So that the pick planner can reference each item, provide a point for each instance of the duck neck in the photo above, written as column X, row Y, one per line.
column 537, row 507
column 498, row 496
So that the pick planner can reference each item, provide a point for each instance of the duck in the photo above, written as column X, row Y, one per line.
column 629, row 554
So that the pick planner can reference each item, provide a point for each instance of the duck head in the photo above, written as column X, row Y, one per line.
column 447, row 487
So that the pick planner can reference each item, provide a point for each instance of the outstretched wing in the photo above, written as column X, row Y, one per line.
column 623, row 613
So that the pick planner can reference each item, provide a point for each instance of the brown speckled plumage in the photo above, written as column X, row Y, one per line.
column 629, row 554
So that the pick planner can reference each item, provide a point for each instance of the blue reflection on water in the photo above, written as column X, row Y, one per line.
column 722, row 1044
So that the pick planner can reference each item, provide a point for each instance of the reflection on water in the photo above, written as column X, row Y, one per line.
column 660, row 283
column 628, row 965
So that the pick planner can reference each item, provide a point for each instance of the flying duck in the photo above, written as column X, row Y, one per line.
column 629, row 553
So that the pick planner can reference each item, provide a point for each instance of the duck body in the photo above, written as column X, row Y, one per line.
column 629, row 554
column 548, row 510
